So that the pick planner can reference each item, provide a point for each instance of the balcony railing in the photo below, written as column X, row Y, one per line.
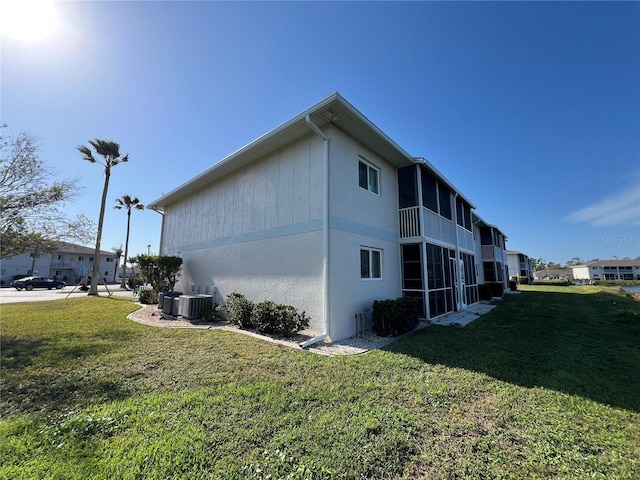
column 409, row 222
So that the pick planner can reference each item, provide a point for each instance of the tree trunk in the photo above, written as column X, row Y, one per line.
column 123, row 284
column 115, row 272
column 95, row 271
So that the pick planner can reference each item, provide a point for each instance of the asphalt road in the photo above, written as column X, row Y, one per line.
column 11, row 295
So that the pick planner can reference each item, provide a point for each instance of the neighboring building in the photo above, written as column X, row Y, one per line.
column 325, row 213
column 553, row 274
column 491, row 256
column 68, row 263
column 519, row 265
column 608, row 270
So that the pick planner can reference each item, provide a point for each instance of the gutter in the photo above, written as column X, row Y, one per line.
column 325, row 236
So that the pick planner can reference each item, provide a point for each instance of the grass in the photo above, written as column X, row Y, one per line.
column 544, row 386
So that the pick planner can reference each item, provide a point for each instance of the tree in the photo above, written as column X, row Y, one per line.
column 538, row 264
column 133, row 261
column 110, row 152
column 31, row 203
column 117, row 254
column 574, row 261
column 128, row 203
column 161, row 271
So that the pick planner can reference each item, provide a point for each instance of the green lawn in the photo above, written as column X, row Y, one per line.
column 547, row 385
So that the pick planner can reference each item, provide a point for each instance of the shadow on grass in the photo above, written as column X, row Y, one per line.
column 42, row 373
column 582, row 344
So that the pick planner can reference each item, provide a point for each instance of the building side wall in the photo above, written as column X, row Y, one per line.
column 352, row 203
column 285, row 269
column 257, row 231
column 584, row 273
column 360, row 218
column 272, row 194
column 351, row 294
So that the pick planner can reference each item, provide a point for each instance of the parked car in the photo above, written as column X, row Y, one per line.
column 29, row 283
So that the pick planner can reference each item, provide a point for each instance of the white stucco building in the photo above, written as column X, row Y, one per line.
column 519, row 265
column 608, row 270
column 325, row 213
column 491, row 256
column 69, row 263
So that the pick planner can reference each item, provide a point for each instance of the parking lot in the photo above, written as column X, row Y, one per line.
column 11, row 295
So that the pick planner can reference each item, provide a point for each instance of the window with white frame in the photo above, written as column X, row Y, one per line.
column 370, row 263
column 368, row 177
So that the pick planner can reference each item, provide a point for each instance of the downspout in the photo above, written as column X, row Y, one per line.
column 325, row 237
column 161, row 230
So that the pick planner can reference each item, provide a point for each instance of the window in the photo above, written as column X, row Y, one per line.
column 445, row 201
column 429, row 191
column 91, row 259
column 109, row 259
column 412, row 267
column 370, row 263
column 60, row 257
column 368, row 177
column 407, row 188
column 463, row 212
column 80, row 259
column 106, row 274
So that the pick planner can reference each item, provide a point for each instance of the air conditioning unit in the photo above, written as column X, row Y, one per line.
column 192, row 306
column 161, row 300
column 167, row 304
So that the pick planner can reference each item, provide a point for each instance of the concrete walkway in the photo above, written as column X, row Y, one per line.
column 464, row 317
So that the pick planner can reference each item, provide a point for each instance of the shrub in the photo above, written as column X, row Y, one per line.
column 513, row 286
column 134, row 282
column 270, row 317
column 239, row 310
column 395, row 317
column 210, row 312
column 148, row 296
column 161, row 271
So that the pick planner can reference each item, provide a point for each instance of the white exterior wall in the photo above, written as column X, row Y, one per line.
column 584, row 273
column 21, row 265
column 360, row 218
column 477, row 252
column 514, row 265
column 47, row 265
column 257, row 231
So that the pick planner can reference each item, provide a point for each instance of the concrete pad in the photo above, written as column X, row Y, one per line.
column 464, row 317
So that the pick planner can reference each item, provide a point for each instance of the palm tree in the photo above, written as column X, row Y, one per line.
column 110, row 152
column 117, row 254
column 130, row 204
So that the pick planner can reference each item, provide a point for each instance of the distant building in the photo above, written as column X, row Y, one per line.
column 68, row 263
column 519, row 265
column 491, row 253
column 553, row 274
column 608, row 270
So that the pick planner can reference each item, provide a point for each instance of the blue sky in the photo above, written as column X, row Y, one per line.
column 531, row 109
